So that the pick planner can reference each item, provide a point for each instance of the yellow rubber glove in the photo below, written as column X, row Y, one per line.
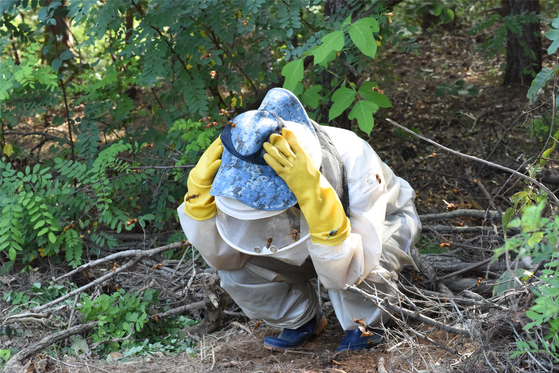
column 198, row 204
column 328, row 223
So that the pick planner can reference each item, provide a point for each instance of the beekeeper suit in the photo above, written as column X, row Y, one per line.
column 261, row 211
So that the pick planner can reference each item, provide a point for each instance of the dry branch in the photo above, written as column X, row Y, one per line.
column 458, row 285
column 414, row 315
column 543, row 187
column 138, row 254
column 434, row 295
column 181, row 309
column 460, row 213
column 466, row 269
column 85, row 287
column 452, row 266
column 16, row 362
column 457, row 230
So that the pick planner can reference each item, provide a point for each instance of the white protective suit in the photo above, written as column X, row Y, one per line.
column 276, row 288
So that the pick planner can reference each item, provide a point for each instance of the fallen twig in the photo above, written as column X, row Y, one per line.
column 15, row 363
column 187, row 307
column 449, row 229
column 415, row 315
column 85, row 287
column 29, row 315
column 460, row 213
column 490, row 199
column 434, row 295
column 466, row 269
column 543, row 187
column 140, row 254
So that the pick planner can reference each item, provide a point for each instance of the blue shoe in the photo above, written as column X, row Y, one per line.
column 353, row 340
column 293, row 338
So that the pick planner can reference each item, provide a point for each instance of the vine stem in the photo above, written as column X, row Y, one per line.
column 70, row 127
column 543, row 187
column 68, row 120
column 553, row 103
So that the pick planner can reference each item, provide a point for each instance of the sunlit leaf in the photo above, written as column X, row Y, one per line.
column 311, row 96
column 540, row 81
column 361, row 33
column 366, row 91
column 8, row 149
column 363, row 112
column 334, row 41
column 293, row 73
column 341, row 99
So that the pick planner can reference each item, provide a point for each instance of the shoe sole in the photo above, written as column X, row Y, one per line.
column 319, row 328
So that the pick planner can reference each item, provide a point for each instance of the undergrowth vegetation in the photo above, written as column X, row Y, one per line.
column 121, row 97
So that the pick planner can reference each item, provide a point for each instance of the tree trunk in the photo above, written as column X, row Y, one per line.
column 524, row 56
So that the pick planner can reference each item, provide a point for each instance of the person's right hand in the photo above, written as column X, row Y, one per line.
column 328, row 223
column 198, row 204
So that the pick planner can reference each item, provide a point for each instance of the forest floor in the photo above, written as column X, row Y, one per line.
column 495, row 125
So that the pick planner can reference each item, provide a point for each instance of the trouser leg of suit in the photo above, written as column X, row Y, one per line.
column 349, row 306
column 270, row 290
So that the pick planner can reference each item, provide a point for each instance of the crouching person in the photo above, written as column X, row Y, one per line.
column 277, row 200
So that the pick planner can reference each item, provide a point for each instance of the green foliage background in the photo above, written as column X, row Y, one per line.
column 125, row 105
column 126, row 111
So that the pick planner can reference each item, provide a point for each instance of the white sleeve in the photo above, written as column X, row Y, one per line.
column 203, row 235
column 381, row 206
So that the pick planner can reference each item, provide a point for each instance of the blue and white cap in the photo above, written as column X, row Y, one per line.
column 244, row 176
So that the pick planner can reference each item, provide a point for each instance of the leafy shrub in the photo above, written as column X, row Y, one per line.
column 131, row 317
column 188, row 60
column 538, row 241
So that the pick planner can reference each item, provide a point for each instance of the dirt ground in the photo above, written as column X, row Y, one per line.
column 470, row 124
column 241, row 350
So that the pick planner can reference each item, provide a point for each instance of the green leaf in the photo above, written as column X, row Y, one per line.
column 506, row 217
column 42, row 231
column 366, row 91
column 363, row 111
column 361, row 33
column 311, row 97
column 507, row 280
column 79, row 344
column 132, row 317
column 66, row 55
column 552, row 35
column 546, row 154
column 533, row 315
column 334, row 41
column 548, row 151
column 293, row 73
column 12, row 253
column 536, row 238
column 56, row 64
column 329, row 58
column 52, row 237
column 298, row 89
column 447, row 15
column 540, row 81
column 341, row 99
column 39, row 224
column 347, row 21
